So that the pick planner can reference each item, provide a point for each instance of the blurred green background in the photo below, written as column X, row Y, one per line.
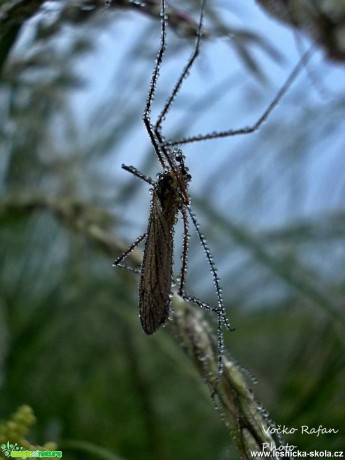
column 73, row 86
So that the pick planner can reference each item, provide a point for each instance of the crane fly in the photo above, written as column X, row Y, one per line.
column 170, row 197
column 157, row 266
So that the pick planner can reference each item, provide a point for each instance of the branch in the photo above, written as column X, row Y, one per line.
column 81, row 217
column 245, row 419
column 322, row 21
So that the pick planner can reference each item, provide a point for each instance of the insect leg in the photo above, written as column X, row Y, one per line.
column 221, row 308
column 259, row 122
column 135, row 172
column 118, row 261
column 161, row 151
column 186, row 236
column 147, row 111
column 221, row 319
column 183, row 75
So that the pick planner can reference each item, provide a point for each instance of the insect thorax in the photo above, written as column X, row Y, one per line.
column 168, row 193
column 171, row 186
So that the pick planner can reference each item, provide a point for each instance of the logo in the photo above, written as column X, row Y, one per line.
column 17, row 451
column 9, row 448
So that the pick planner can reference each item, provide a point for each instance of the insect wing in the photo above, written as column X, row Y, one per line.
column 156, row 272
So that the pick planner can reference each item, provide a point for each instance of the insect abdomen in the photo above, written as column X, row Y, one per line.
column 157, row 266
